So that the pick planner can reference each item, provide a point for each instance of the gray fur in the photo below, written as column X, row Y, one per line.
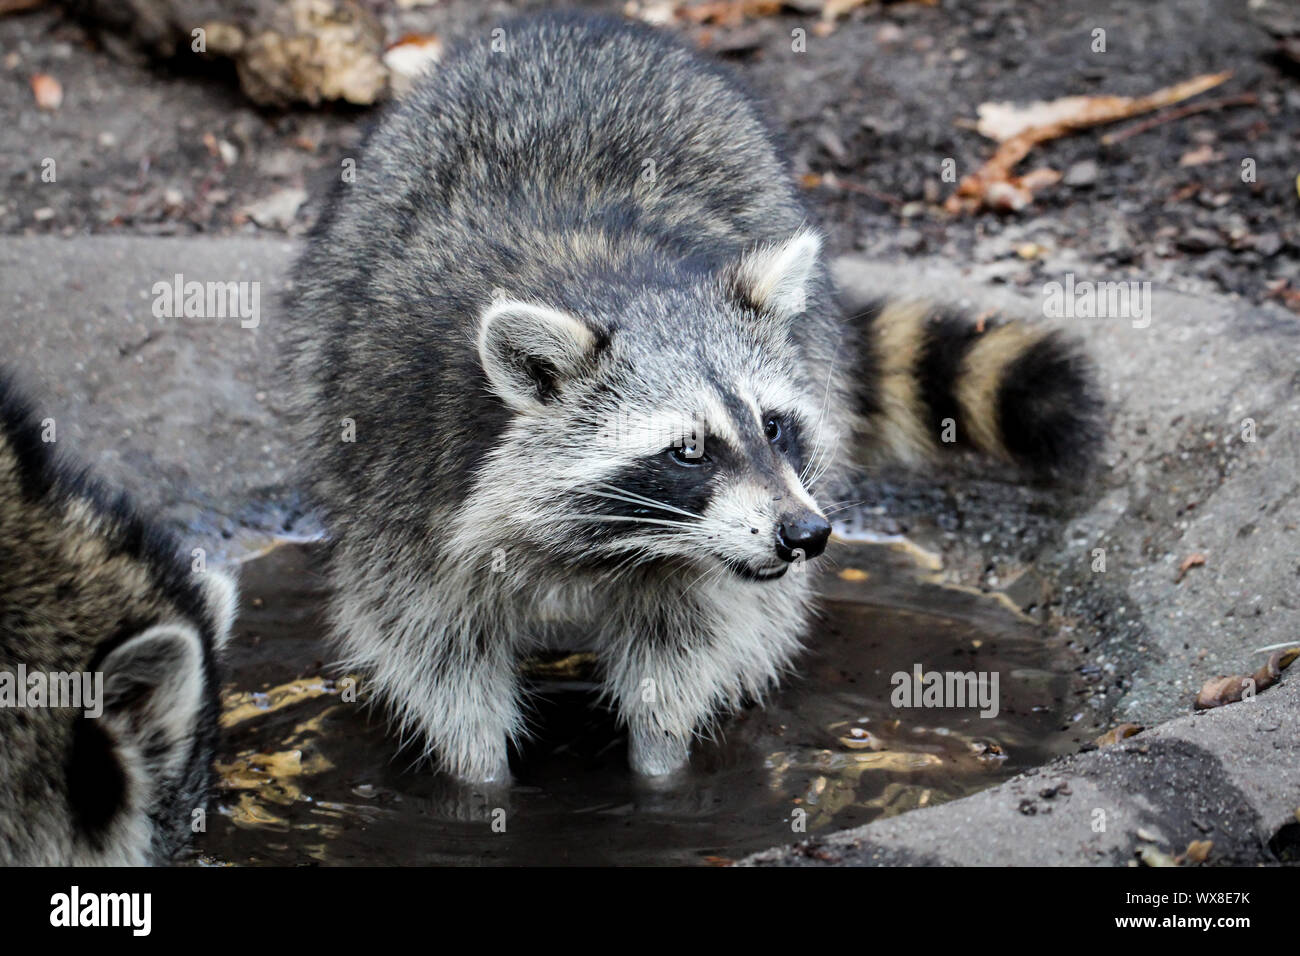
column 587, row 225
column 87, row 586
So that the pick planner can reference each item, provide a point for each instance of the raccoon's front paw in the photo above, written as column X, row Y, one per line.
column 456, row 799
column 489, row 775
column 653, row 753
column 481, row 763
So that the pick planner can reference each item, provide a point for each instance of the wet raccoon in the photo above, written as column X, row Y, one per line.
column 566, row 357
column 108, row 694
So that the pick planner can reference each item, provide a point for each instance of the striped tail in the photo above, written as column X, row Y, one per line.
column 932, row 381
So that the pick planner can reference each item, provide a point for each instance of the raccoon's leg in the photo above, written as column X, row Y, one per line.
column 657, row 747
column 672, row 677
column 443, row 675
column 930, row 380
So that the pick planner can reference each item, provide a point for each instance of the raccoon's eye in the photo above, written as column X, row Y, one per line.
column 772, row 428
column 689, row 454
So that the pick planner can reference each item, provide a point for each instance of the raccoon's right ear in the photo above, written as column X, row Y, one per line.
column 528, row 351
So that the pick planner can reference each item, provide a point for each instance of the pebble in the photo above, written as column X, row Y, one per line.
column 1199, row 240
column 1083, row 173
column 911, row 240
column 1268, row 244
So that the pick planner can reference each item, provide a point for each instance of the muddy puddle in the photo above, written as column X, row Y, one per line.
column 308, row 776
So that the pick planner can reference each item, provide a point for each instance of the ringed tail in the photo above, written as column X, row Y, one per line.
column 933, row 380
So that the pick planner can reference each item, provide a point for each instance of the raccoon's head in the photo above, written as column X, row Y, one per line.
column 138, row 772
column 675, row 419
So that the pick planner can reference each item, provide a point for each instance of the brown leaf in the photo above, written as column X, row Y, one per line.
column 1195, row 157
column 1189, row 562
column 48, row 91
column 1198, row 851
column 995, row 185
column 1221, row 690
column 1153, row 856
column 1116, row 734
column 728, row 12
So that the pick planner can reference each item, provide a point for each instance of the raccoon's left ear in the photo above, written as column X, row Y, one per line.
column 150, row 707
column 777, row 278
column 528, row 351
column 153, row 685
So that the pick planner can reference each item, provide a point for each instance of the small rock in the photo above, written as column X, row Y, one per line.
column 1199, row 240
column 831, row 142
column 278, row 210
column 1268, row 244
column 889, row 33
column 228, row 151
column 911, row 240
column 1083, row 173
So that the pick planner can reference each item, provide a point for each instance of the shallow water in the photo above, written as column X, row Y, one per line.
column 309, row 778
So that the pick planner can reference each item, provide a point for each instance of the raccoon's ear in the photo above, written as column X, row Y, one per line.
column 149, row 707
column 528, row 350
column 154, row 689
column 776, row 278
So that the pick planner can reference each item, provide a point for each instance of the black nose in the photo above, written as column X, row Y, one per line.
column 807, row 533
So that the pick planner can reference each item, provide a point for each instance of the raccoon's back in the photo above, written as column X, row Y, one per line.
column 559, row 120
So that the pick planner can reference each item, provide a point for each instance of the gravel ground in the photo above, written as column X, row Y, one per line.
column 880, row 103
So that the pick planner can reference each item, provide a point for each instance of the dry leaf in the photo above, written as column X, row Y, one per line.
column 1189, row 562
column 409, row 58
column 1151, row 856
column 834, row 9
column 1116, row 734
column 995, row 186
column 1221, row 690
column 1001, row 121
column 1198, row 851
column 1198, row 156
column 728, row 12
column 48, row 91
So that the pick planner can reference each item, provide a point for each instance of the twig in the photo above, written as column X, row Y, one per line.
column 831, row 181
column 1242, row 99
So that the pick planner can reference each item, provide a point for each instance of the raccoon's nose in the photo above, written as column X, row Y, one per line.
column 807, row 533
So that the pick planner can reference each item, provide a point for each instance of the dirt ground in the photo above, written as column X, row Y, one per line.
column 880, row 103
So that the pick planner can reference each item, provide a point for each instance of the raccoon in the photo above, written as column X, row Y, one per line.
column 566, row 360
column 108, row 685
